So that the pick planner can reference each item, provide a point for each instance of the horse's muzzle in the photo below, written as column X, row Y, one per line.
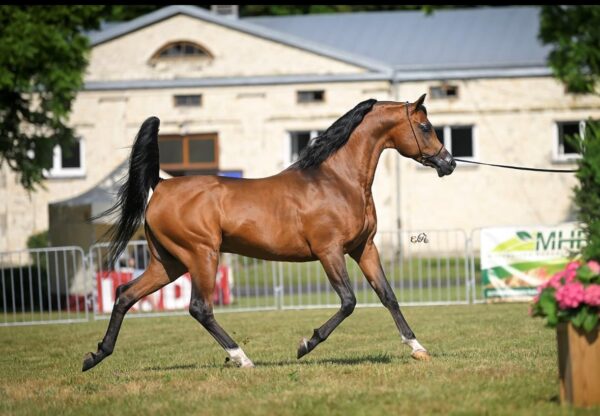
column 443, row 163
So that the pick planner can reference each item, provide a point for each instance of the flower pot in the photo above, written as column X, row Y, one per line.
column 578, row 365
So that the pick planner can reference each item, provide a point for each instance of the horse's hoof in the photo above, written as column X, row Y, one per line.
column 421, row 355
column 302, row 348
column 237, row 363
column 89, row 361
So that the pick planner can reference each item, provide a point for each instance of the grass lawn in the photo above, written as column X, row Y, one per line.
column 487, row 359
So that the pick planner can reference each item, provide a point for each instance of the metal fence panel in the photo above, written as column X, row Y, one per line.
column 475, row 266
column 41, row 286
column 435, row 271
column 242, row 283
column 61, row 285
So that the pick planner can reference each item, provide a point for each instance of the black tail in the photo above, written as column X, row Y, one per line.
column 133, row 194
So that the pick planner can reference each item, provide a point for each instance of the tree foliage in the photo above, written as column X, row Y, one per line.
column 574, row 34
column 128, row 12
column 587, row 192
column 43, row 55
column 44, row 52
column 286, row 9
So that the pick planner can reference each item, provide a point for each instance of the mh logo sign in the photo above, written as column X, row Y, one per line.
column 559, row 240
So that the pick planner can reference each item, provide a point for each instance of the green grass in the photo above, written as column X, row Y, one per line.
column 487, row 359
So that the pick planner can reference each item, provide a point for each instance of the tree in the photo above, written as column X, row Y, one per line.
column 43, row 55
column 586, row 194
column 574, row 34
column 44, row 52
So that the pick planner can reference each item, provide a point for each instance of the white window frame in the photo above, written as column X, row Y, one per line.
column 287, row 148
column 448, row 140
column 58, row 171
column 558, row 154
column 444, row 87
column 321, row 101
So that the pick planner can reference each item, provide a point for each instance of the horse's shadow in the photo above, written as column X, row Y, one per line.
column 368, row 359
column 180, row 367
column 364, row 359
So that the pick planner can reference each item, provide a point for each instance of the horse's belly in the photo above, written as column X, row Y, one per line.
column 267, row 248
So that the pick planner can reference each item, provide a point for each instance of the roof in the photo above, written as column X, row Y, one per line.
column 405, row 45
column 487, row 37
column 113, row 31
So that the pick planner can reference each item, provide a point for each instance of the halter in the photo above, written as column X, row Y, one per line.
column 423, row 157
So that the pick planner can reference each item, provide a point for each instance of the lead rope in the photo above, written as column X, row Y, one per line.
column 481, row 163
column 517, row 167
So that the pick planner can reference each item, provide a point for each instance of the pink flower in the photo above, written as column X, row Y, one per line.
column 554, row 281
column 570, row 295
column 570, row 275
column 595, row 266
column 592, row 295
column 574, row 265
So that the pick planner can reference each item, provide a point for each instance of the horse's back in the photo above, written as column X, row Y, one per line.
column 254, row 217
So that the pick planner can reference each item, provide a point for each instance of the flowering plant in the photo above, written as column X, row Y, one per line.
column 572, row 294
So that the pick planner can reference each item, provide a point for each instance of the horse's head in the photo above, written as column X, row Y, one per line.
column 414, row 137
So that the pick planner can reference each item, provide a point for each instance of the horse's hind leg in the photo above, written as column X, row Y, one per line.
column 127, row 295
column 335, row 268
column 367, row 258
column 201, row 305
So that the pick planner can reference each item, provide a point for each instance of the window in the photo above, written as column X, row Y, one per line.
column 181, row 49
column 68, row 161
column 311, row 96
column 190, row 154
column 188, row 100
column 298, row 140
column 563, row 148
column 444, row 91
column 458, row 140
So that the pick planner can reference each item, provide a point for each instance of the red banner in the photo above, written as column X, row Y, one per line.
column 175, row 296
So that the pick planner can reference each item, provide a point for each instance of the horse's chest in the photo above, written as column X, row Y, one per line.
column 370, row 217
column 365, row 225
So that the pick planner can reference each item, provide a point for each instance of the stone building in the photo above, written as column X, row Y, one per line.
column 241, row 97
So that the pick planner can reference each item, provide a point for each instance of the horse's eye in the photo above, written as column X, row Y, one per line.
column 425, row 127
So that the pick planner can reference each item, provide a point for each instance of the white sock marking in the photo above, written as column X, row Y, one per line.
column 238, row 356
column 414, row 344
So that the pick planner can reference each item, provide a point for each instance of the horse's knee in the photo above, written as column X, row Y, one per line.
column 124, row 301
column 388, row 299
column 200, row 311
column 122, row 288
column 348, row 305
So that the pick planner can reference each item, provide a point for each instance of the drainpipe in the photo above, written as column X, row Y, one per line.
column 398, row 190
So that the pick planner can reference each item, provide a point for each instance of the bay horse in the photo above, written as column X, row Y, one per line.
column 319, row 208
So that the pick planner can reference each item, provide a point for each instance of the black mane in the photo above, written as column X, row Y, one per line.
column 323, row 146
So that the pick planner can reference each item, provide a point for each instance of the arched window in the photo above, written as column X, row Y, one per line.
column 181, row 49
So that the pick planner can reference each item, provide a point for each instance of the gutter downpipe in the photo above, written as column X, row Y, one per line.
column 396, row 97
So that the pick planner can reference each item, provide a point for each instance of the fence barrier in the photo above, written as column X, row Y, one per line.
column 42, row 286
column 62, row 284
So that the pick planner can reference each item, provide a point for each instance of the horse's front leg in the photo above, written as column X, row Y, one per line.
column 368, row 260
column 335, row 268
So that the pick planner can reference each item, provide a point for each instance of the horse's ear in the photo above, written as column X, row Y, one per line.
column 419, row 102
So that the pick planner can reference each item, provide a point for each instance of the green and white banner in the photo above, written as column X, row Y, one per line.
column 516, row 260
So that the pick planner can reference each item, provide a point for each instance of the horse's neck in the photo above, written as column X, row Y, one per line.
column 357, row 160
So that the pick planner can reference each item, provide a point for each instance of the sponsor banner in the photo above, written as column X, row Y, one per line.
column 174, row 296
column 516, row 260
